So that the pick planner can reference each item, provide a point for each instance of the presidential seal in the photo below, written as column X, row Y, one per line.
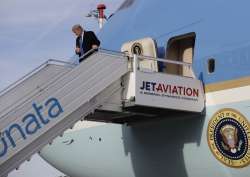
column 229, row 137
column 137, row 49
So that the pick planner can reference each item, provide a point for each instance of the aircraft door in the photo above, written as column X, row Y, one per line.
column 180, row 48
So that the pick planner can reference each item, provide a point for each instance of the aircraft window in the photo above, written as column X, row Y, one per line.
column 180, row 48
column 211, row 65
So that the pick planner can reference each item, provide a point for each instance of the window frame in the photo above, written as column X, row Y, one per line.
column 209, row 62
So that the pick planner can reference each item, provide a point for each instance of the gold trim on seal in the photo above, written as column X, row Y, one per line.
column 241, row 119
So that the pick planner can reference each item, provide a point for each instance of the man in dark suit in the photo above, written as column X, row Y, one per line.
column 85, row 41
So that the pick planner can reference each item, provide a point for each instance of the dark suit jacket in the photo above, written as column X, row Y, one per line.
column 89, row 39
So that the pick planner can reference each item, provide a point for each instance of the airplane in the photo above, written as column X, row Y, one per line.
column 171, row 37
column 212, row 36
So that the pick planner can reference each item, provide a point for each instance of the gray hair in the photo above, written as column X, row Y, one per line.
column 77, row 26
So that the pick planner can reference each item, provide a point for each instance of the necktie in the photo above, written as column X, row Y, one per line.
column 81, row 45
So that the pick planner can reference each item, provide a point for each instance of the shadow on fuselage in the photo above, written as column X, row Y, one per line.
column 156, row 147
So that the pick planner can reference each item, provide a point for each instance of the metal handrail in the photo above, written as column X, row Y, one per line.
column 37, row 69
column 148, row 57
column 102, row 50
column 87, row 53
column 112, row 52
column 142, row 57
column 44, row 89
column 189, row 65
column 164, row 60
column 51, row 61
column 61, row 62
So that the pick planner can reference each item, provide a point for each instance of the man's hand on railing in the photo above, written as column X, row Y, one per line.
column 94, row 46
column 78, row 50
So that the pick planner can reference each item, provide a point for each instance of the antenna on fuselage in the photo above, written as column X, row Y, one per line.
column 98, row 14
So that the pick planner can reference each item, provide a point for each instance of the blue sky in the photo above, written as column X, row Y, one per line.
column 33, row 31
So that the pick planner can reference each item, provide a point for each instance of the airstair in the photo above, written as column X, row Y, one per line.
column 107, row 86
column 43, row 105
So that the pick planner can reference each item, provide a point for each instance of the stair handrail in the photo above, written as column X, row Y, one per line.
column 51, row 60
column 102, row 50
column 37, row 69
column 185, row 64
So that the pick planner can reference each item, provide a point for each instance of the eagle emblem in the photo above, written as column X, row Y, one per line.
column 228, row 138
column 230, row 142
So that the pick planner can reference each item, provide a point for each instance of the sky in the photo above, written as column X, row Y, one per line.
column 33, row 31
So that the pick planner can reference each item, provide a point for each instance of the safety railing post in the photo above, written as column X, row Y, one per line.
column 135, row 63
